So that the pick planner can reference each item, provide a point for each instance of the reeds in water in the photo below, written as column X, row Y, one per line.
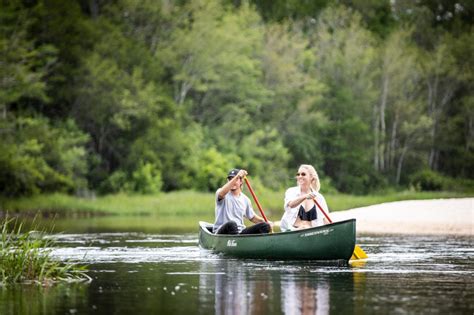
column 25, row 257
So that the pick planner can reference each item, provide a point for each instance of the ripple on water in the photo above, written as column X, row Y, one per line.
column 387, row 255
column 127, row 254
column 107, row 238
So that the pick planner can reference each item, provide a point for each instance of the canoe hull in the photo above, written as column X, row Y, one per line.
column 334, row 241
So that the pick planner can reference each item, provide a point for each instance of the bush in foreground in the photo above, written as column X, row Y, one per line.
column 25, row 257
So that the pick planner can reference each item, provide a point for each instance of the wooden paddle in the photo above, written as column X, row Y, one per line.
column 358, row 252
column 256, row 201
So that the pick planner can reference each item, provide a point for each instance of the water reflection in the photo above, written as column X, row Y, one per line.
column 305, row 297
column 65, row 298
column 243, row 287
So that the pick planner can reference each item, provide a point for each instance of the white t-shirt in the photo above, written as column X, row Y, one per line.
column 232, row 208
column 290, row 215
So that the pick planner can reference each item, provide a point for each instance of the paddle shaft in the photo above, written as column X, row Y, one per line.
column 255, row 198
column 321, row 208
column 358, row 252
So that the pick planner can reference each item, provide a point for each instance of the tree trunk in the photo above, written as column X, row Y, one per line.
column 432, row 111
column 433, row 150
column 184, row 86
column 400, row 163
column 470, row 132
column 94, row 7
column 393, row 140
column 383, row 106
column 436, row 109
column 376, row 137
column 182, row 92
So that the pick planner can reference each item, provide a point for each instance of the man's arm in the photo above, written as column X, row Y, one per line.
column 257, row 219
column 227, row 186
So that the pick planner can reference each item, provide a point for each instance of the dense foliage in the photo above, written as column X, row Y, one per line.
column 146, row 96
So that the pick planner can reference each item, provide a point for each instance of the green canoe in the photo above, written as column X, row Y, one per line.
column 334, row 241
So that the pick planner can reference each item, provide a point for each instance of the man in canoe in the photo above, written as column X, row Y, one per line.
column 232, row 206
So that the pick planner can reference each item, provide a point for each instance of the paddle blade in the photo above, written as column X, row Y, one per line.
column 358, row 253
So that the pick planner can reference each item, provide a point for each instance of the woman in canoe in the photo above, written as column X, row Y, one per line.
column 300, row 210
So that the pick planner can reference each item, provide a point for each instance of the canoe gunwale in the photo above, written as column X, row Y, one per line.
column 203, row 227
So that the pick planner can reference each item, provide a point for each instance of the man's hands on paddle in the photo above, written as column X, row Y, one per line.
column 242, row 173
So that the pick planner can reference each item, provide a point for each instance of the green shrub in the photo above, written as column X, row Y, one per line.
column 114, row 183
column 465, row 185
column 427, row 180
column 146, row 179
column 212, row 170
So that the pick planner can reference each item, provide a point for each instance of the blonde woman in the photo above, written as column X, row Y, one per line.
column 300, row 209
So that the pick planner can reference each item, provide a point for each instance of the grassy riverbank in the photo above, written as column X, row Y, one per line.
column 187, row 203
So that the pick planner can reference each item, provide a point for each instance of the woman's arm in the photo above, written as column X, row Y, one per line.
column 298, row 200
column 295, row 202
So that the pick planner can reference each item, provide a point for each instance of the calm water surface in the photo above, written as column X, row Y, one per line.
column 145, row 273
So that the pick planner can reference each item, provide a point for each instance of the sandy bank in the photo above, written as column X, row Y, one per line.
column 438, row 216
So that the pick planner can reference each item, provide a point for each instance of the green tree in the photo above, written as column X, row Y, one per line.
column 287, row 65
column 345, row 54
column 24, row 64
column 148, row 22
column 400, row 81
column 441, row 78
column 116, row 107
column 376, row 14
column 215, row 57
column 64, row 26
column 211, row 168
column 38, row 157
column 265, row 155
column 279, row 10
column 456, row 134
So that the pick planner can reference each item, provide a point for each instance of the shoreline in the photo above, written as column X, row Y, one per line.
column 432, row 217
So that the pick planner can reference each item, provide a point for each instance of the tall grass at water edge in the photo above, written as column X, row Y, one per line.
column 190, row 204
column 25, row 257
column 173, row 203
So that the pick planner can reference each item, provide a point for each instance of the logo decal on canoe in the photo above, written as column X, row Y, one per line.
column 231, row 243
column 324, row 232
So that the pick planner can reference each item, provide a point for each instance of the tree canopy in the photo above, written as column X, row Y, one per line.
column 149, row 96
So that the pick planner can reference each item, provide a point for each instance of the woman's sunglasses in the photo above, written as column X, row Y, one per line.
column 300, row 174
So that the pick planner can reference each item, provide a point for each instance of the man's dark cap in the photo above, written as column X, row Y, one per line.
column 232, row 173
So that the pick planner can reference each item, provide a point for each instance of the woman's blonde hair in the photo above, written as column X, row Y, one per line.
column 315, row 184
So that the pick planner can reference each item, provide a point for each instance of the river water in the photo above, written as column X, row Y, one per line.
column 146, row 273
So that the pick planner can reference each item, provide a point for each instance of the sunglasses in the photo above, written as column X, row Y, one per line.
column 301, row 174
